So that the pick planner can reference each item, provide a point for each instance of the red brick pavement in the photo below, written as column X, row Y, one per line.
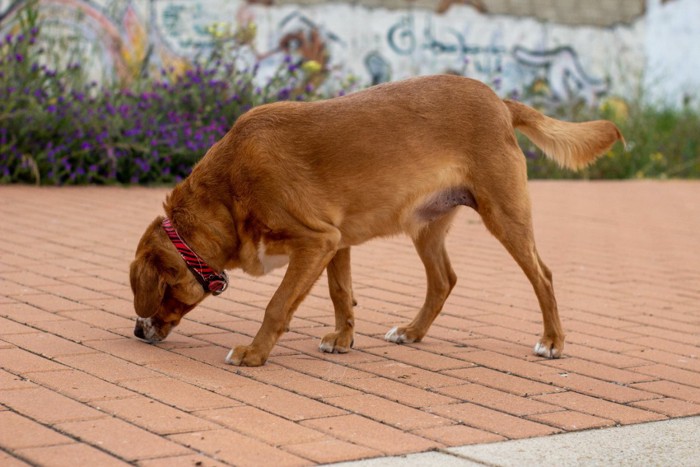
column 75, row 384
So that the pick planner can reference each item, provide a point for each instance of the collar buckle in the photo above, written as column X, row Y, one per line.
column 217, row 283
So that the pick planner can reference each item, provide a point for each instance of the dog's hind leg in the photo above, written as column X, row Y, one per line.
column 510, row 221
column 441, row 278
column 340, row 287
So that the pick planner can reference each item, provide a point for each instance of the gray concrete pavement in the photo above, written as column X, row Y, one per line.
column 667, row 443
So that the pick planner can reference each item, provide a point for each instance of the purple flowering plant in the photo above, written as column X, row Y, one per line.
column 57, row 128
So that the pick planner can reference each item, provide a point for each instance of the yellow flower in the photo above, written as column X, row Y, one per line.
column 217, row 30
column 540, row 87
column 616, row 107
column 312, row 66
column 658, row 157
column 245, row 34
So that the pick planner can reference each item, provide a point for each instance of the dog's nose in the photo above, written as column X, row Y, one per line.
column 138, row 332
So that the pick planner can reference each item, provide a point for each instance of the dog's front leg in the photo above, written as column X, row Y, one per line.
column 340, row 288
column 306, row 263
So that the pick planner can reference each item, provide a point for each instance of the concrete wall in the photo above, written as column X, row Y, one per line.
column 564, row 49
column 672, row 52
column 511, row 53
column 572, row 12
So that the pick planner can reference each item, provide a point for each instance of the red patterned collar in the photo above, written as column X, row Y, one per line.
column 211, row 280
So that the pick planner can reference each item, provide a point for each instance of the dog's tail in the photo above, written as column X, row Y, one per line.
column 572, row 145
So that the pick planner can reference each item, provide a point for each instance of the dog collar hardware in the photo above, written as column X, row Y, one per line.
column 211, row 280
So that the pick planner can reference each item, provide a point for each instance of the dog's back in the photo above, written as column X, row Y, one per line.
column 377, row 156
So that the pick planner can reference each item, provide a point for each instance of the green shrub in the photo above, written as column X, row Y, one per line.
column 57, row 129
column 661, row 143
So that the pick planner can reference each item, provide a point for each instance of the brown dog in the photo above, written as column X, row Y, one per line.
column 304, row 182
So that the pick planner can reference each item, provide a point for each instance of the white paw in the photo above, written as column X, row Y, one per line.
column 228, row 358
column 546, row 351
column 327, row 347
column 394, row 336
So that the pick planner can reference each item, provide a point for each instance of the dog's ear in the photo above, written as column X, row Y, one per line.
column 148, row 285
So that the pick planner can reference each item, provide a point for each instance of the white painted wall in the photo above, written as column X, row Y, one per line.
column 672, row 47
column 659, row 52
column 657, row 56
column 507, row 52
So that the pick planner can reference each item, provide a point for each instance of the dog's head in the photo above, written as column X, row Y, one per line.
column 164, row 288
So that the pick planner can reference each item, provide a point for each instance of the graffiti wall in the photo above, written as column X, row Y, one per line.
column 514, row 55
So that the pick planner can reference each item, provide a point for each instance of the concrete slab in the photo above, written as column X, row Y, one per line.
column 667, row 443
column 441, row 459
column 673, row 442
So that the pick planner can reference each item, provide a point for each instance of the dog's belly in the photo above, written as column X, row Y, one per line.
column 442, row 202
column 409, row 218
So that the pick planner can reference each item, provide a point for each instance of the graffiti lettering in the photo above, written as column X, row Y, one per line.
column 402, row 39
column 378, row 68
column 565, row 75
column 401, row 36
column 186, row 26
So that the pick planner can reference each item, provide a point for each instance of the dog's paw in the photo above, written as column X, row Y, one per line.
column 245, row 355
column 336, row 342
column 546, row 348
column 394, row 336
column 399, row 335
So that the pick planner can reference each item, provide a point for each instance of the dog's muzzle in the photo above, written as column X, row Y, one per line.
column 144, row 329
column 138, row 332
